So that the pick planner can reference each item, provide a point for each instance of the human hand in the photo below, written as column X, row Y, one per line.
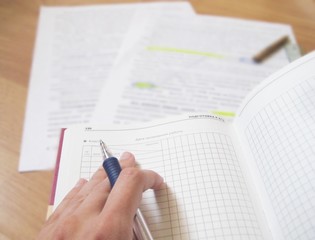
column 92, row 210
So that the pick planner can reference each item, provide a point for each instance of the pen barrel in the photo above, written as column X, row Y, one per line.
column 112, row 168
column 140, row 227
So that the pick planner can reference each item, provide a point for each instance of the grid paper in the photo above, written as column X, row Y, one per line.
column 206, row 196
column 282, row 141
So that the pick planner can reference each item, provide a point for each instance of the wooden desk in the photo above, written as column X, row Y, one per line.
column 24, row 197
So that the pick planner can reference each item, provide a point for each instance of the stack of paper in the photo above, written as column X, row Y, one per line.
column 127, row 63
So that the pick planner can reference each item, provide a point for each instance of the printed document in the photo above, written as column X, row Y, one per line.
column 75, row 50
column 169, row 66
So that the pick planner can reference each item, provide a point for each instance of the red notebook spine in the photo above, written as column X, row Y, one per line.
column 54, row 185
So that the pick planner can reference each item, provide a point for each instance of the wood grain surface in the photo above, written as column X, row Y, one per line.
column 24, row 197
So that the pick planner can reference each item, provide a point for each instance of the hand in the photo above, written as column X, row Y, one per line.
column 91, row 210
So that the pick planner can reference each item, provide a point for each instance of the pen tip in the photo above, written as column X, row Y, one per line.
column 106, row 152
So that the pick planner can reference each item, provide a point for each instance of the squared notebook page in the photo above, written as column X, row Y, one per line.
column 277, row 121
column 207, row 194
column 75, row 50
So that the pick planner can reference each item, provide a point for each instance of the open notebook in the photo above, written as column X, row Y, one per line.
column 250, row 179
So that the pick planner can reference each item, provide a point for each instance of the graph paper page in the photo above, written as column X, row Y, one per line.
column 278, row 123
column 206, row 196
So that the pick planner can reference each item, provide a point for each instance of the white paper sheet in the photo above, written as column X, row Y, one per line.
column 276, row 123
column 206, row 195
column 198, row 64
column 75, row 50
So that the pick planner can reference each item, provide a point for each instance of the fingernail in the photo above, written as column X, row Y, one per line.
column 80, row 182
column 160, row 182
column 125, row 156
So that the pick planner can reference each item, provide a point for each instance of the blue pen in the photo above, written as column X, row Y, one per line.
column 112, row 168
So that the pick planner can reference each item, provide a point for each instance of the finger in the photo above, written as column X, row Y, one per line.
column 69, row 197
column 100, row 178
column 95, row 201
column 126, row 195
column 97, row 177
column 126, row 160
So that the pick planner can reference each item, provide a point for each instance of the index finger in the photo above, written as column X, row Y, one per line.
column 126, row 160
column 126, row 194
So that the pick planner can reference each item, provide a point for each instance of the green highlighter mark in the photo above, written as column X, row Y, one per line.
column 144, row 85
column 224, row 114
column 185, row 51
